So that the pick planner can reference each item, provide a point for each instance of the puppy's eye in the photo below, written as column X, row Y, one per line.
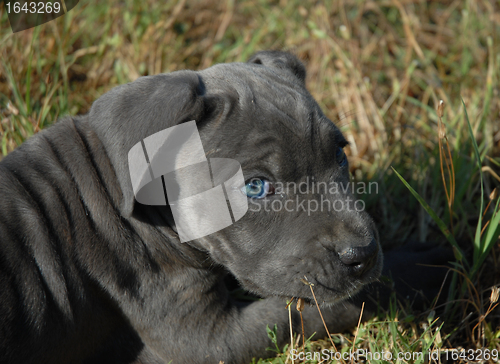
column 341, row 157
column 258, row 188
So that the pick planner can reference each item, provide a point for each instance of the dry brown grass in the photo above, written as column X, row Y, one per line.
column 378, row 69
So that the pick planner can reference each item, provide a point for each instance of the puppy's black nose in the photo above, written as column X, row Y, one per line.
column 359, row 259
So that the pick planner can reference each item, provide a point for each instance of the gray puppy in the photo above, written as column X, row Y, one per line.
column 88, row 275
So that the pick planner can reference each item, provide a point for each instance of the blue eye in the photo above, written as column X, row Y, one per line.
column 258, row 188
column 341, row 157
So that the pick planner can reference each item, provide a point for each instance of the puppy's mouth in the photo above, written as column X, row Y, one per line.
column 327, row 302
column 328, row 296
column 325, row 284
column 312, row 290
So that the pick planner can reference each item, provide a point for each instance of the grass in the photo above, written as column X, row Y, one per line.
column 377, row 68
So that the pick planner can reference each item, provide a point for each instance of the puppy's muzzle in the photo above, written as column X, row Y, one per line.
column 359, row 260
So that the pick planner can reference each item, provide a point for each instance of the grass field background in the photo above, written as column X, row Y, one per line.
column 378, row 69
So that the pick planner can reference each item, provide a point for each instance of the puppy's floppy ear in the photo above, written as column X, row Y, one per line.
column 281, row 61
column 129, row 113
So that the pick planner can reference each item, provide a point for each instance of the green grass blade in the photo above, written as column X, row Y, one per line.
column 477, row 238
column 490, row 237
column 442, row 226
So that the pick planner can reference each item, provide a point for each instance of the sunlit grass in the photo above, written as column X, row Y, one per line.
column 377, row 68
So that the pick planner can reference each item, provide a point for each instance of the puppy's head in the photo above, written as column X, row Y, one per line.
column 303, row 224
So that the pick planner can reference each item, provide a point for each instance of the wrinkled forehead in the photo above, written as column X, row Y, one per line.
column 278, row 114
